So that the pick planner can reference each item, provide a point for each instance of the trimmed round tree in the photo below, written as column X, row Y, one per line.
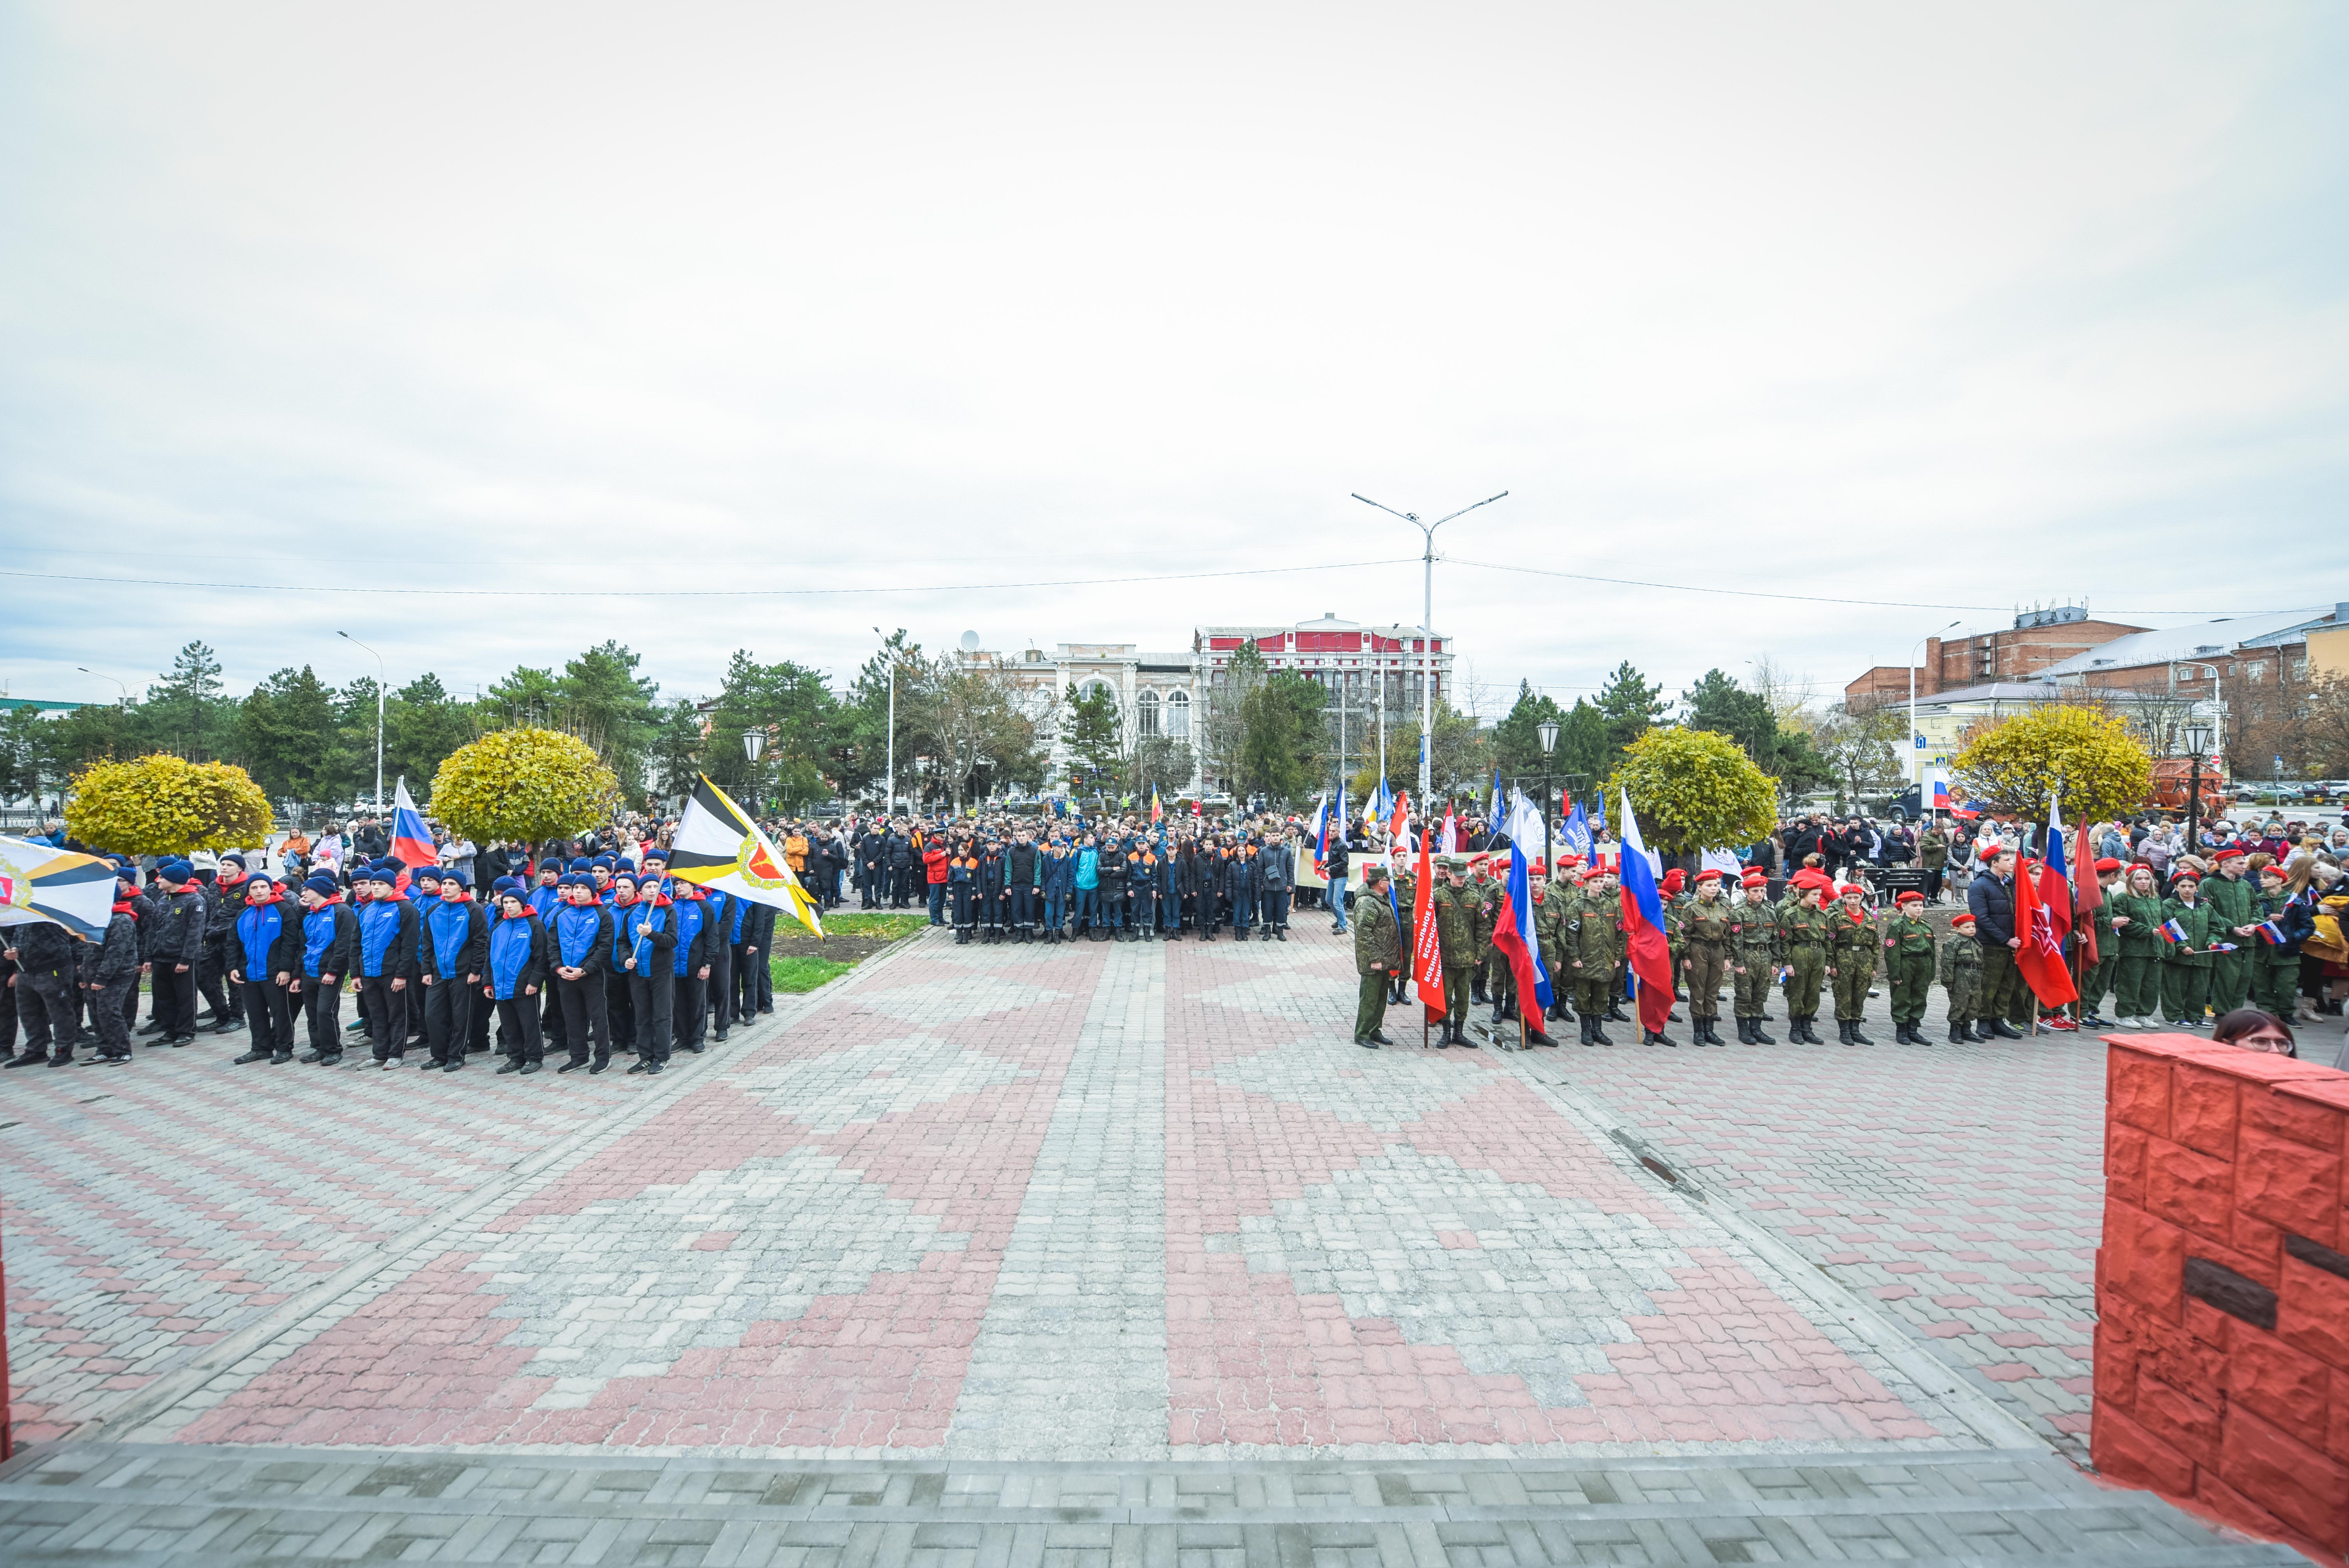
column 1693, row 790
column 523, row 786
column 2084, row 758
column 166, row 805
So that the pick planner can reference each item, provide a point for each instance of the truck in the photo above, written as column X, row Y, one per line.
column 2170, row 777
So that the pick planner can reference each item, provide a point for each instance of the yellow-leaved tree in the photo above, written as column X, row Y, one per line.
column 166, row 805
column 2084, row 758
column 1693, row 790
column 524, row 785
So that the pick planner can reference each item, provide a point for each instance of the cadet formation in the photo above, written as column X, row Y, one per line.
column 2169, row 957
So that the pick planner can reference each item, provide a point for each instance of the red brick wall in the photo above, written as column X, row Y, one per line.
column 2222, row 1287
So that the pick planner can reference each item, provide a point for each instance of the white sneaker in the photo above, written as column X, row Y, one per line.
column 389, row 1063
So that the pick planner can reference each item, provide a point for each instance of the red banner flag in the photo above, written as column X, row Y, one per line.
column 1426, row 951
column 2037, row 889
column 2087, row 895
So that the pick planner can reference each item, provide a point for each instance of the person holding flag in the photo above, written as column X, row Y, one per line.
column 2289, row 919
column 1426, row 943
column 1647, row 946
column 2135, row 915
column 1515, row 937
column 2190, row 923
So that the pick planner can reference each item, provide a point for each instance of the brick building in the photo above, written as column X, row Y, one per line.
column 2038, row 640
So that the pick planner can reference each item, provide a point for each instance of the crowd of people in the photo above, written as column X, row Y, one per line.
column 2249, row 920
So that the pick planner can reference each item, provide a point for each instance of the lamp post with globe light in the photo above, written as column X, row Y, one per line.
column 1548, row 731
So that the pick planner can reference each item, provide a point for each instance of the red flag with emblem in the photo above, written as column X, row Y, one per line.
column 2041, row 956
column 1426, row 951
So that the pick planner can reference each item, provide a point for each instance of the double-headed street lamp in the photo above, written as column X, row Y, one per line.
column 1426, row 635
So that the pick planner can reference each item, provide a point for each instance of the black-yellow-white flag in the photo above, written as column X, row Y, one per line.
column 717, row 845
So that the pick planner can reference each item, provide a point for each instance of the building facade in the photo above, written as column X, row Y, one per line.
column 1369, row 673
column 2038, row 640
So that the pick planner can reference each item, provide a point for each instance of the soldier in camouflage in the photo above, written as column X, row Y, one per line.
column 1705, row 924
column 1752, row 957
column 1851, row 961
column 1378, row 957
column 1961, row 978
column 1804, row 931
column 1909, row 944
column 1594, row 946
column 1457, row 908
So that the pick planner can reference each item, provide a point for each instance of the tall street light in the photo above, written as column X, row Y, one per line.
column 889, row 788
column 104, row 676
column 2197, row 741
column 378, row 717
column 1426, row 631
column 1917, row 741
column 754, row 741
column 1548, row 731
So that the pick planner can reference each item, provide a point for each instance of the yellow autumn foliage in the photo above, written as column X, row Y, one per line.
column 1693, row 790
column 524, row 785
column 166, row 805
column 2088, row 758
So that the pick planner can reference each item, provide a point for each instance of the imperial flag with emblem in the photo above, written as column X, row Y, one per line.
column 38, row 882
column 717, row 845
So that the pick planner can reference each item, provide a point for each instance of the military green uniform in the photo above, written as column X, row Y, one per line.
column 2185, row 967
column 1594, row 944
column 1378, row 951
column 2097, row 978
column 1454, row 910
column 1961, row 978
column 1933, row 859
column 2136, row 953
column 1705, row 926
column 2233, row 902
column 1753, row 949
column 1909, row 964
column 1550, row 917
column 1851, row 953
column 1406, row 895
column 2275, row 971
column 1805, row 934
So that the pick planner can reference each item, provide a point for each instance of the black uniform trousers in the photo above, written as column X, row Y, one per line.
column 620, row 1008
column 321, row 1006
column 212, row 973
column 719, row 988
column 386, row 1012
column 174, row 991
column 652, row 997
column 587, row 1019
column 269, row 1015
column 448, row 1018
column 45, row 999
column 518, row 1024
column 112, row 1029
column 1276, row 908
column 690, row 1011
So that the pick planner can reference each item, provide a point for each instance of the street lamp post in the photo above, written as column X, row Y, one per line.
column 102, row 675
column 1917, row 741
column 754, row 741
column 1548, row 731
column 2198, row 740
column 889, row 784
column 379, row 718
column 1427, row 631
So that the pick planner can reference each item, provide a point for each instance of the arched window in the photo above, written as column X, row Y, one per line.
column 1178, row 715
column 1149, row 713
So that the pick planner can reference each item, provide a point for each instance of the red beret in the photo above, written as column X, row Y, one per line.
column 2187, row 876
column 1537, row 869
column 1673, row 880
column 1851, row 889
column 2107, row 864
column 1706, row 876
column 2231, row 855
column 1756, row 877
column 1912, row 896
column 1563, row 861
column 1961, row 918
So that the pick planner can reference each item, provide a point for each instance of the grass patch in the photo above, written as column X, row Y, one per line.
column 795, row 974
column 885, row 927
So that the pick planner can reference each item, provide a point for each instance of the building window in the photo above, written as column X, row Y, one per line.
column 2257, row 670
column 1149, row 713
column 1178, row 715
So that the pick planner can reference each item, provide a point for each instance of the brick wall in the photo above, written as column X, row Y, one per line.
column 2222, row 1286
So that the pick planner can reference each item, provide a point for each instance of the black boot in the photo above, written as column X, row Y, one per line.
column 1759, row 1037
column 1657, row 1037
column 1856, row 1037
column 1584, row 1037
column 1444, row 1036
column 1958, row 1033
column 2004, row 1031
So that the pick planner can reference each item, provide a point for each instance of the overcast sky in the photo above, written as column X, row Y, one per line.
column 1961, row 306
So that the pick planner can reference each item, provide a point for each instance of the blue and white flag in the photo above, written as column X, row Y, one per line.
column 1574, row 833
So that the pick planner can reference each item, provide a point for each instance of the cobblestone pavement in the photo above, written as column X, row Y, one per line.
column 1083, row 1204
column 1960, row 1186
column 96, row 1503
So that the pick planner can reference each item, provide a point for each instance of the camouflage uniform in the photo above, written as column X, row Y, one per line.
column 1805, row 933
column 1851, row 953
column 1705, row 925
column 1909, row 955
column 1753, row 949
column 1594, row 944
column 1377, row 952
column 1456, row 911
column 1961, row 978
column 1550, row 918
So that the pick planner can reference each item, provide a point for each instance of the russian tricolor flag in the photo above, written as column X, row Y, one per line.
column 2272, row 934
column 1942, row 801
column 1513, row 931
column 2172, row 932
column 1643, row 924
column 411, row 841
